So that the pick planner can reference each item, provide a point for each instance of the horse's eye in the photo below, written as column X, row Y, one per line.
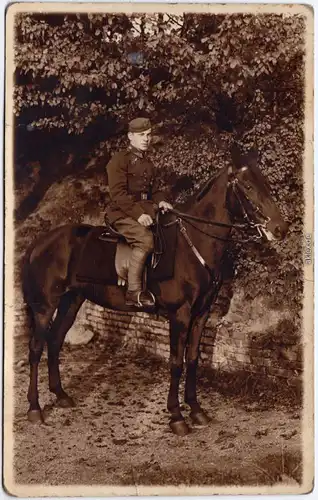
column 248, row 187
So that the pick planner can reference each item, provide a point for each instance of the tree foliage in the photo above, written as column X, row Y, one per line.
column 210, row 79
column 76, row 67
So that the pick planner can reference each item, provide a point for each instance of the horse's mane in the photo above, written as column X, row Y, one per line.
column 196, row 197
column 206, row 188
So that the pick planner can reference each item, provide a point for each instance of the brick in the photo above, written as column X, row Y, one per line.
column 204, row 356
column 239, row 335
column 280, row 372
column 235, row 342
column 161, row 331
column 208, row 341
column 257, row 361
column 267, row 362
column 253, row 369
column 207, row 348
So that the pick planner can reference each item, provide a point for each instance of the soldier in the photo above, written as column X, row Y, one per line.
column 134, row 195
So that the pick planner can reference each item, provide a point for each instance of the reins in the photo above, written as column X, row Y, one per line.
column 189, row 219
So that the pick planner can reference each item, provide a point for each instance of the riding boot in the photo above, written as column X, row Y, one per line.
column 135, row 295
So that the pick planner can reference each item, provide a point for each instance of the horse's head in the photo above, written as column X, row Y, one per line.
column 251, row 196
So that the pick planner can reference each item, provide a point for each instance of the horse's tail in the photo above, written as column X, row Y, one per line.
column 32, row 291
column 27, row 288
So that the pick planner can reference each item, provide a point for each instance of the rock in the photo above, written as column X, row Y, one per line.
column 119, row 441
column 22, row 366
column 261, row 432
column 228, row 446
column 289, row 435
column 296, row 416
column 22, row 363
column 256, row 406
column 79, row 336
column 224, row 435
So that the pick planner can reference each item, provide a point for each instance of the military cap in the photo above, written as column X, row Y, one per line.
column 139, row 125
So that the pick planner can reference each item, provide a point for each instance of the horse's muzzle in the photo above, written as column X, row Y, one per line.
column 280, row 230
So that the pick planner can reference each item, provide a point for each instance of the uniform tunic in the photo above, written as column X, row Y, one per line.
column 133, row 187
column 133, row 190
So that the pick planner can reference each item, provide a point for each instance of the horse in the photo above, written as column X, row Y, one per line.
column 238, row 197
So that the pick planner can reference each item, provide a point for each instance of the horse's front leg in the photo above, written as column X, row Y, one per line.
column 197, row 415
column 179, row 326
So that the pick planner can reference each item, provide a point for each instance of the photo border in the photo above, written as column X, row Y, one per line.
column 308, row 311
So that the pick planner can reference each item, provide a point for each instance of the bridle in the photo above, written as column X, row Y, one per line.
column 238, row 193
column 261, row 228
column 249, row 223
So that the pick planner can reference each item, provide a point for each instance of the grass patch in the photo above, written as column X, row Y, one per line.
column 250, row 388
column 270, row 470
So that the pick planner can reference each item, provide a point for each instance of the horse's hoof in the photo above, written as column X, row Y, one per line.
column 65, row 402
column 35, row 416
column 179, row 427
column 200, row 418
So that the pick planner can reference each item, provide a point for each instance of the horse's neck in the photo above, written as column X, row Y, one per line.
column 212, row 205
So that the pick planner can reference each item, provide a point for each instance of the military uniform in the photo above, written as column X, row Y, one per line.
column 133, row 190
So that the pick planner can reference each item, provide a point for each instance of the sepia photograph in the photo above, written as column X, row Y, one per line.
column 158, row 249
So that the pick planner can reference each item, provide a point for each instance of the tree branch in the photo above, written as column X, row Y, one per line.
column 174, row 21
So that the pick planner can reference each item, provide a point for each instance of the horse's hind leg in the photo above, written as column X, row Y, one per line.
column 36, row 345
column 197, row 415
column 68, row 308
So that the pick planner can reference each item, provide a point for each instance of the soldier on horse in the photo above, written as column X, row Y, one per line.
column 237, row 197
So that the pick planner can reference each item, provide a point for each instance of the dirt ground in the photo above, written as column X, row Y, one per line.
column 118, row 433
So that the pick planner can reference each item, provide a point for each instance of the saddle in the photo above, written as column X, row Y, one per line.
column 105, row 255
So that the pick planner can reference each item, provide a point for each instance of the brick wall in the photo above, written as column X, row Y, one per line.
column 230, row 344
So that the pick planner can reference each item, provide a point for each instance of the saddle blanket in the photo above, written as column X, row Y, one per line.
column 104, row 258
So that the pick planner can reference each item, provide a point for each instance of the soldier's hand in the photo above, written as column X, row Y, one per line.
column 145, row 220
column 165, row 206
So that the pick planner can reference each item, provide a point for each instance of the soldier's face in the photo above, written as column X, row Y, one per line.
column 140, row 140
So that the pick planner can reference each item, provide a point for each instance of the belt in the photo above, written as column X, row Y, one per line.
column 143, row 196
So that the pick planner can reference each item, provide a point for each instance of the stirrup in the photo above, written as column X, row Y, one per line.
column 137, row 302
column 152, row 296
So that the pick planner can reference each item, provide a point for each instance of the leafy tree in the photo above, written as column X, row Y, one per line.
column 76, row 67
column 206, row 80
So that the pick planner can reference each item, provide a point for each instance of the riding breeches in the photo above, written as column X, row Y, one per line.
column 136, row 235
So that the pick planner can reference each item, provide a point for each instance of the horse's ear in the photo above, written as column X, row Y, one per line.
column 236, row 156
column 252, row 157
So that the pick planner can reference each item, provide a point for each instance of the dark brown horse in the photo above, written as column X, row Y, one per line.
column 237, row 195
